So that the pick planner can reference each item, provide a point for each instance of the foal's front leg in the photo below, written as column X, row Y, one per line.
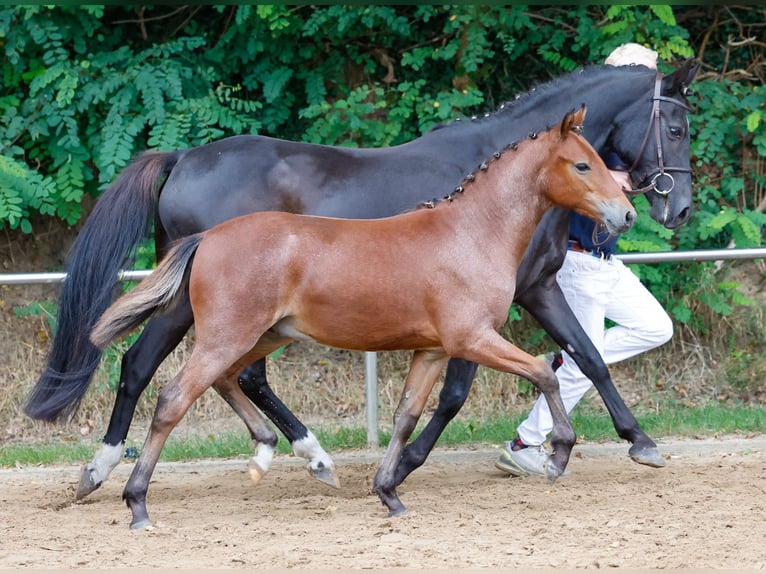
column 457, row 385
column 424, row 370
column 491, row 350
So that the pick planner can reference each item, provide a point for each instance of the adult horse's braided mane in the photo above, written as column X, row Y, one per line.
column 533, row 92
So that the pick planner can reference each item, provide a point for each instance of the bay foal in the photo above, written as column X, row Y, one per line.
column 371, row 285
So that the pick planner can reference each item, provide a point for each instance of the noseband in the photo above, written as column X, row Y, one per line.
column 661, row 175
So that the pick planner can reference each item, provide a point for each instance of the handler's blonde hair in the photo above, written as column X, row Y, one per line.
column 632, row 54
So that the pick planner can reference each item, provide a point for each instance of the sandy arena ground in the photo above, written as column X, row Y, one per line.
column 705, row 509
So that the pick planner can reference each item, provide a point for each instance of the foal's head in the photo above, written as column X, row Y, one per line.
column 579, row 180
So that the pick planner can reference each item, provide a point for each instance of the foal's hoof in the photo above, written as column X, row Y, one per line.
column 325, row 474
column 87, row 484
column 256, row 472
column 649, row 456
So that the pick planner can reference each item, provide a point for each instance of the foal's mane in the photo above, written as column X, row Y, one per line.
column 469, row 179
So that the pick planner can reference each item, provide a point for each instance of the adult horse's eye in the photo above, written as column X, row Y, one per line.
column 675, row 132
column 582, row 167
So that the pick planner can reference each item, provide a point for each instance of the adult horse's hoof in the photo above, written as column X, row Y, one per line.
column 325, row 474
column 144, row 524
column 649, row 456
column 401, row 511
column 88, row 483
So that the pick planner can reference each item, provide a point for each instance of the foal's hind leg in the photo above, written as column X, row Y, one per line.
column 491, row 350
column 424, row 370
column 253, row 383
column 200, row 372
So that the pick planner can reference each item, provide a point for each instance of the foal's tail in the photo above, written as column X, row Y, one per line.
column 122, row 217
column 156, row 292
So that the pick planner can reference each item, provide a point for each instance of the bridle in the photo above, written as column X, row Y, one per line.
column 661, row 175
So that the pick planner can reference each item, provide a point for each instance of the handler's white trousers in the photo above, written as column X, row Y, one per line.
column 597, row 289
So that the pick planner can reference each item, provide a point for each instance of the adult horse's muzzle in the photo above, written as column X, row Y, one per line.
column 670, row 197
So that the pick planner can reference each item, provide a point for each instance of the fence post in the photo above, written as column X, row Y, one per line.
column 371, row 391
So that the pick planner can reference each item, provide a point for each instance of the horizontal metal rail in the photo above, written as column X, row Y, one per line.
column 654, row 257
column 59, row 276
column 698, row 255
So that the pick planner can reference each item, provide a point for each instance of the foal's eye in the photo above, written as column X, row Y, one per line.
column 675, row 133
column 582, row 167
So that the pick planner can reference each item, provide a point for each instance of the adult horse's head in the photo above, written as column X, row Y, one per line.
column 661, row 168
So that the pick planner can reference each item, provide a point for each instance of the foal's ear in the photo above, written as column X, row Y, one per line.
column 573, row 121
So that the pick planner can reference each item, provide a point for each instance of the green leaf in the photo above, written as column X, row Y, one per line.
column 275, row 82
column 665, row 13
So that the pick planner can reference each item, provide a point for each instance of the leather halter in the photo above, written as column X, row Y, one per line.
column 662, row 171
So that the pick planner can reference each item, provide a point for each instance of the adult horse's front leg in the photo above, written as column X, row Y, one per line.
column 457, row 384
column 424, row 370
column 160, row 336
column 548, row 305
column 253, row 383
column 491, row 350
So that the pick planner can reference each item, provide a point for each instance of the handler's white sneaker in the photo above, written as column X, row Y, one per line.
column 523, row 460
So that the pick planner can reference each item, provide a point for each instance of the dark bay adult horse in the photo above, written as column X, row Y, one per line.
column 634, row 112
column 436, row 281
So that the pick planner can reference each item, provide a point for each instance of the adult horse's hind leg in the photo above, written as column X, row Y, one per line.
column 160, row 336
column 457, row 384
column 550, row 308
column 424, row 370
column 253, row 383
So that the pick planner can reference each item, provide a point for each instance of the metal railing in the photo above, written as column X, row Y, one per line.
column 370, row 363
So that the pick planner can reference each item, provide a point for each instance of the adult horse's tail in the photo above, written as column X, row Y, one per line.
column 122, row 217
column 156, row 292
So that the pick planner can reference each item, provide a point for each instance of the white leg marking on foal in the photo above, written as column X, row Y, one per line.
column 260, row 463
